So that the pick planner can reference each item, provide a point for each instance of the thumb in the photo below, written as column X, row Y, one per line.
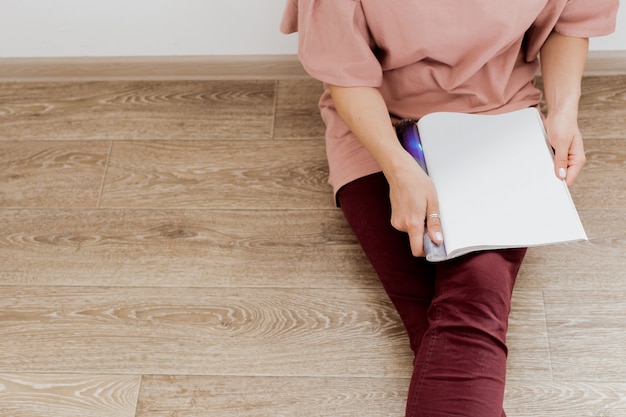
column 561, row 155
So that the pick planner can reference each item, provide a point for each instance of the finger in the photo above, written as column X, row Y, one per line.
column 574, row 168
column 416, row 238
column 433, row 223
column 561, row 155
column 572, row 173
column 413, row 226
column 576, row 161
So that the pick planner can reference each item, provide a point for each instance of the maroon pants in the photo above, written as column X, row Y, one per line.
column 455, row 312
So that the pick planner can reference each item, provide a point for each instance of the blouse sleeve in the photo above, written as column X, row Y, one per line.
column 334, row 43
column 585, row 18
column 575, row 18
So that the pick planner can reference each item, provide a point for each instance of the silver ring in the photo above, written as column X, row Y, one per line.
column 433, row 216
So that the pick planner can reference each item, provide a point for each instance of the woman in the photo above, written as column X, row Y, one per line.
column 382, row 61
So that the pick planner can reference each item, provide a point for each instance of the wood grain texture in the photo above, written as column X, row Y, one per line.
column 184, row 233
column 602, row 104
column 565, row 399
column 210, row 248
column 218, row 175
column 262, row 397
column 602, row 183
column 47, row 395
column 596, row 264
column 224, row 331
column 295, row 397
column 202, row 248
column 297, row 113
column 137, row 110
column 587, row 332
column 213, row 331
column 527, row 338
column 186, row 248
column 47, row 175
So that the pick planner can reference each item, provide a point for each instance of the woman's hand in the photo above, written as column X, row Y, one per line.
column 413, row 199
column 412, row 193
column 565, row 138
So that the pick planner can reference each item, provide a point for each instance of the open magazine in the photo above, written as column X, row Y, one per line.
column 495, row 181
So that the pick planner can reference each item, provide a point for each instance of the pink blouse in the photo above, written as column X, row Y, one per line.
column 474, row 56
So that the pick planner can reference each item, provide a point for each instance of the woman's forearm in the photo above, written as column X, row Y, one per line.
column 365, row 113
column 562, row 64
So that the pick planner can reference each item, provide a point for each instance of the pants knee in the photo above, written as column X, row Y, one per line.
column 473, row 294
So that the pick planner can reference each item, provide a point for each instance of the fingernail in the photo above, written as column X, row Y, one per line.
column 562, row 173
column 439, row 236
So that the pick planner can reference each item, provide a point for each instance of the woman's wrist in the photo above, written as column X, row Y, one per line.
column 398, row 164
column 564, row 105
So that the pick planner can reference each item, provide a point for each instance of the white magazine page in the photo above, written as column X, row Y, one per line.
column 495, row 181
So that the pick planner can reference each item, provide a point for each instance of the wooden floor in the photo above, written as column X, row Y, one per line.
column 172, row 249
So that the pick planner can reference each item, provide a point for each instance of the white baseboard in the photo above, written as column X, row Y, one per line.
column 606, row 63
column 205, row 67
column 152, row 68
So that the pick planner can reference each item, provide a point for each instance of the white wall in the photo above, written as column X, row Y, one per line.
column 49, row 28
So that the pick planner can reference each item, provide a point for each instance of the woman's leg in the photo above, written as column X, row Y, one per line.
column 455, row 313
column 460, row 368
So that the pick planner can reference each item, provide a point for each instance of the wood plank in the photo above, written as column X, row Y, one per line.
column 602, row 182
column 137, row 110
column 189, row 248
column 300, row 248
column 270, row 396
column 527, row 338
column 297, row 113
column 596, row 264
column 216, row 331
column 46, row 395
column 565, row 399
column 218, row 175
column 587, row 332
column 191, row 331
column 250, row 248
column 59, row 174
column 238, row 396
column 601, row 110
